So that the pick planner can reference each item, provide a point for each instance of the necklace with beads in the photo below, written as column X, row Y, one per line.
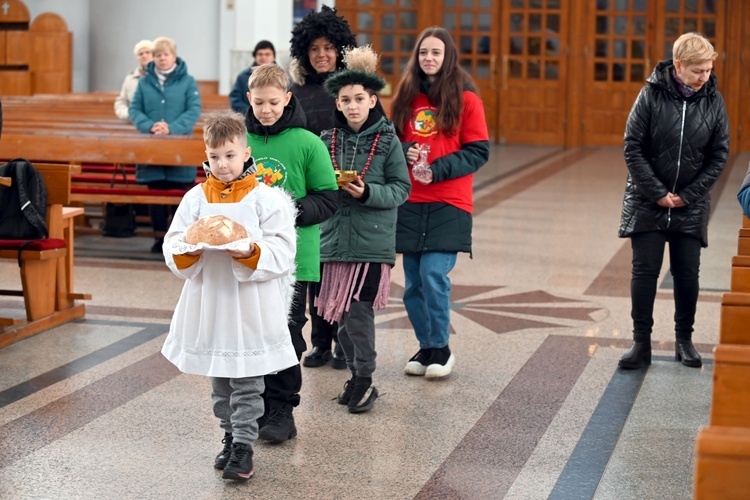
column 369, row 156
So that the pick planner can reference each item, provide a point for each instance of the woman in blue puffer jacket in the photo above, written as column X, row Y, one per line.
column 166, row 101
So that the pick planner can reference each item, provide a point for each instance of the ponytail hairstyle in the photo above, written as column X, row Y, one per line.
column 445, row 93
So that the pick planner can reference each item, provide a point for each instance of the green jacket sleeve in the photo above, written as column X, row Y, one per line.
column 397, row 185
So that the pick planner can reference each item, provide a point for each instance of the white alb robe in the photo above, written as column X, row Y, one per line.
column 231, row 320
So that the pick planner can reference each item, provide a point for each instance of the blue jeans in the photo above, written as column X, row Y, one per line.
column 427, row 296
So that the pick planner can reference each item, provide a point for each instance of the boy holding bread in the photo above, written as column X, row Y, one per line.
column 233, row 241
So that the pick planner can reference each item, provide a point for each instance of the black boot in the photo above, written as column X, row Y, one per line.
column 685, row 352
column 157, row 246
column 240, row 465
column 317, row 357
column 223, row 457
column 279, row 426
column 639, row 355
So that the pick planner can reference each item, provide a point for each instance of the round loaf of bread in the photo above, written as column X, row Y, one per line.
column 214, row 230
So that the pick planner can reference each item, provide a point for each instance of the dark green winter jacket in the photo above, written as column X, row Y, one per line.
column 364, row 229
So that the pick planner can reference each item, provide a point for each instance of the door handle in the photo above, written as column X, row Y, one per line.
column 493, row 60
column 505, row 72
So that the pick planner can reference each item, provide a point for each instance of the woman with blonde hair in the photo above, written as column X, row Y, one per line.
column 144, row 53
column 676, row 147
column 166, row 102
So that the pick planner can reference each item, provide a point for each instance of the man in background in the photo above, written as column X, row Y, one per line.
column 263, row 53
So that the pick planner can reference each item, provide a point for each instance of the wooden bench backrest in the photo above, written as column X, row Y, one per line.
column 57, row 179
column 110, row 148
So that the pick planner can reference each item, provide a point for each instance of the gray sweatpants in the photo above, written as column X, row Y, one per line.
column 357, row 338
column 237, row 403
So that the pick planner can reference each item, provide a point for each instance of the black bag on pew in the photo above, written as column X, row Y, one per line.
column 23, row 204
column 119, row 218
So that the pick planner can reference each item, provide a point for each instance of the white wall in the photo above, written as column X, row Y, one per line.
column 250, row 21
column 116, row 26
column 215, row 41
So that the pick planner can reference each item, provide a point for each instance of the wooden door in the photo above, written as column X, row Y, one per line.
column 391, row 28
column 625, row 40
column 473, row 24
column 533, row 71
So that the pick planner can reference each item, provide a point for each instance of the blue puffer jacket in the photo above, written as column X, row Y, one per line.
column 676, row 145
column 178, row 103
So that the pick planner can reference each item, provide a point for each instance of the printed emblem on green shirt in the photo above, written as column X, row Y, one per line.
column 270, row 172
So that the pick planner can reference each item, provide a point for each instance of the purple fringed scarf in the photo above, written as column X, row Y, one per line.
column 339, row 286
column 687, row 92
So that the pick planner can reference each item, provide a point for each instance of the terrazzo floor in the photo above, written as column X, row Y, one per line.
column 535, row 408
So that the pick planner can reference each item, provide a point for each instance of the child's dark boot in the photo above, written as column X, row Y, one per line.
column 279, row 426
column 345, row 395
column 363, row 395
column 223, row 457
column 240, row 465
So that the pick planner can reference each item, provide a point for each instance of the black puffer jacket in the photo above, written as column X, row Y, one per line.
column 673, row 145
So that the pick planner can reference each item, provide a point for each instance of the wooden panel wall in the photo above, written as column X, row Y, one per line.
column 35, row 58
column 51, row 55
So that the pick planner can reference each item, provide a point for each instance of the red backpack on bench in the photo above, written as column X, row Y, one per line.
column 23, row 205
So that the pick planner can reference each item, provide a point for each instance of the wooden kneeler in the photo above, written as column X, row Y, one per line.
column 38, row 266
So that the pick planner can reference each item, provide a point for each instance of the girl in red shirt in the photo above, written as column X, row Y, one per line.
column 436, row 105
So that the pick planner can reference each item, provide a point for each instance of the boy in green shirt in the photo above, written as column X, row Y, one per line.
column 296, row 160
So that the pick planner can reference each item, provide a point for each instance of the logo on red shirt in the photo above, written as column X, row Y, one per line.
column 424, row 124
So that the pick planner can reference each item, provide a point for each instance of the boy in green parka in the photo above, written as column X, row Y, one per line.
column 358, row 245
column 292, row 158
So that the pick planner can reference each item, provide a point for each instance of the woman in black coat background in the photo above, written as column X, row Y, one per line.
column 676, row 146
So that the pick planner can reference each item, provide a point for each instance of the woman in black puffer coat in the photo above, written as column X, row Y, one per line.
column 676, row 146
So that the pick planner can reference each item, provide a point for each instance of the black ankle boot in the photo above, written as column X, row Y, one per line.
column 685, row 352
column 639, row 355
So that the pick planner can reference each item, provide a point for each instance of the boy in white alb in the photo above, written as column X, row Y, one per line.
column 210, row 334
